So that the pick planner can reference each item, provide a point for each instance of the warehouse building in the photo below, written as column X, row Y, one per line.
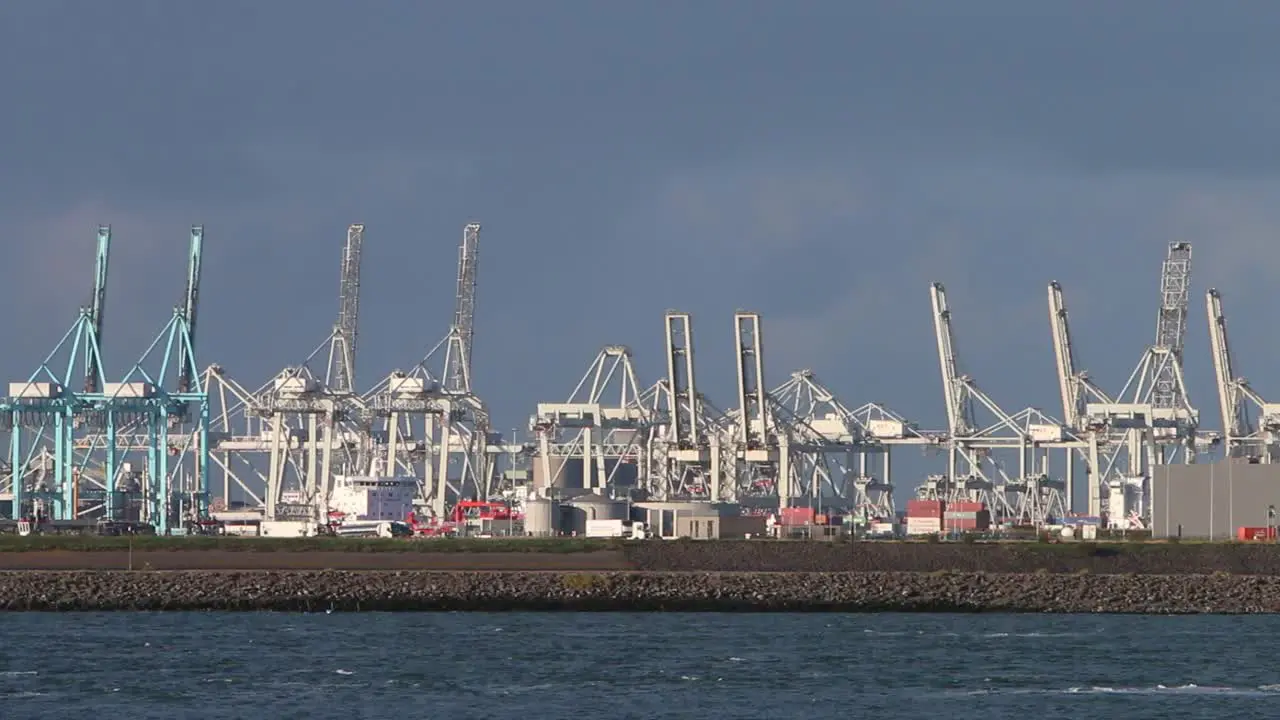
column 1212, row 501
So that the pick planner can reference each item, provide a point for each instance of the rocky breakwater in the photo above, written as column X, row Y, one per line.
column 317, row 591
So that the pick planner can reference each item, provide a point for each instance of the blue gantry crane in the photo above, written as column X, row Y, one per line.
column 40, row 413
column 71, row 447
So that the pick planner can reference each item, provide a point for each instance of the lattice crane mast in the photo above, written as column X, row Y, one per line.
column 458, row 363
column 341, row 374
column 97, row 307
column 1158, row 379
column 1241, row 437
column 1167, row 387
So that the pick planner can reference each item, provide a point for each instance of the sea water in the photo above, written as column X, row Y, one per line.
column 580, row 665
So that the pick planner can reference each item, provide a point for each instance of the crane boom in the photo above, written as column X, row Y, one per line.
column 342, row 365
column 190, row 304
column 958, row 412
column 97, row 308
column 458, row 373
column 1235, row 423
column 1171, row 325
column 1068, row 383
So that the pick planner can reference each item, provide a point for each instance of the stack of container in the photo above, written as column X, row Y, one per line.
column 966, row 516
column 924, row 517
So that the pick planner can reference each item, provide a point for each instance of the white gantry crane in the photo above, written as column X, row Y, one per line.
column 1151, row 419
column 278, row 447
column 1243, row 436
column 686, row 443
column 318, row 425
column 760, row 454
column 974, row 472
column 435, row 427
column 1078, row 390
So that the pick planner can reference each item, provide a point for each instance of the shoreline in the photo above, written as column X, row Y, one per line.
column 374, row 590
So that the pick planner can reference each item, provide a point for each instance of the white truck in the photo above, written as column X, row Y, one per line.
column 615, row 529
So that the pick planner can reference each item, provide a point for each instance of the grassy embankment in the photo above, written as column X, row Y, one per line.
column 90, row 543
column 74, row 543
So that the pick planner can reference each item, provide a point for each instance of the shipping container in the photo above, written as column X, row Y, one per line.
column 795, row 516
column 1255, row 533
column 968, row 521
column 923, row 525
column 925, row 508
column 966, row 506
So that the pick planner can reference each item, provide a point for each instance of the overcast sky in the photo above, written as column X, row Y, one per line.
column 820, row 162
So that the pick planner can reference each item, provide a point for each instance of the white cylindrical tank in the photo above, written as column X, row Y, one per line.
column 541, row 517
column 580, row 509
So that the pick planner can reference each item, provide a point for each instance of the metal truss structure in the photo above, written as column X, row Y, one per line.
column 795, row 443
column 1021, row 490
column 1250, row 424
column 164, row 443
column 1150, row 421
column 279, row 446
column 83, row 447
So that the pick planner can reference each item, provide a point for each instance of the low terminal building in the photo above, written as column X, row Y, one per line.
column 1212, row 501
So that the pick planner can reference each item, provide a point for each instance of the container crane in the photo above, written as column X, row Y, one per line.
column 309, row 418
column 40, row 412
column 762, row 452
column 686, row 453
column 1241, row 436
column 1152, row 416
column 1078, row 390
column 431, row 419
column 971, row 445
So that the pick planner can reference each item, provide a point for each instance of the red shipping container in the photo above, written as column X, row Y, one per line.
column 925, row 508
column 966, row 506
column 1255, row 533
column 796, row 516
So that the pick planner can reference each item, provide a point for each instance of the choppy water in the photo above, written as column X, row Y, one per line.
column 458, row 665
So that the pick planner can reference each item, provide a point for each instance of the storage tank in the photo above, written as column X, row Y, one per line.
column 560, row 472
column 541, row 517
column 579, row 510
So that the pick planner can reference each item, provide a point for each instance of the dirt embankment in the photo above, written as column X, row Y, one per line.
column 316, row 560
column 696, row 556
column 319, row 591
